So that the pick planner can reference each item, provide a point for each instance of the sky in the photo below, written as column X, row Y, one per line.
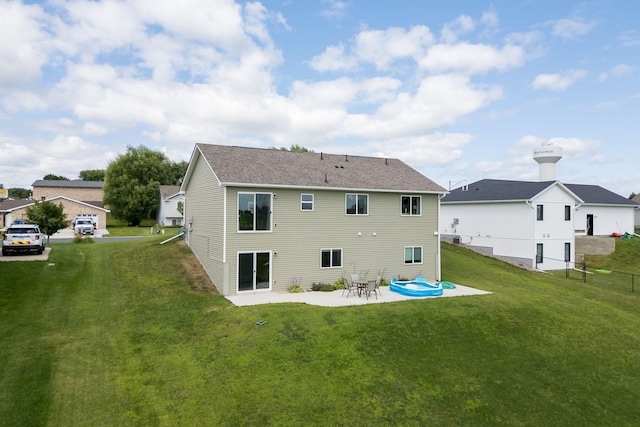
column 459, row 90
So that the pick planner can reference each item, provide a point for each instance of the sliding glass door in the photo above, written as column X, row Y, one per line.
column 254, row 271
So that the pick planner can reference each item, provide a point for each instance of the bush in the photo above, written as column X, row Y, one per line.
column 338, row 284
column 322, row 287
column 295, row 289
column 81, row 239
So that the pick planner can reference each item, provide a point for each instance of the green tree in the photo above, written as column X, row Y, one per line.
column 178, row 171
column 132, row 181
column 19, row 193
column 632, row 195
column 295, row 147
column 92, row 175
column 52, row 177
column 49, row 217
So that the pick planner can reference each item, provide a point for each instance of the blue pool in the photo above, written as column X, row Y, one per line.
column 419, row 287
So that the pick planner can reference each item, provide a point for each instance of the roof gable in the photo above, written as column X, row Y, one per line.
column 278, row 168
column 168, row 191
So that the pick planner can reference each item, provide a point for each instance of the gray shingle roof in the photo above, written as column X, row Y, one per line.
column 268, row 167
column 168, row 190
column 493, row 190
column 75, row 183
column 9, row 205
column 496, row 190
column 594, row 194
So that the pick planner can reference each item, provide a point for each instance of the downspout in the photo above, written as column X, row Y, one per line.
column 438, row 250
column 533, row 253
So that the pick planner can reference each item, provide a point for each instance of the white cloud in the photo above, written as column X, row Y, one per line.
column 451, row 31
column 383, row 47
column 622, row 69
column 630, row 38
column 489, row 18
column 571, row 146
column 427, row 150
column 24, row 101
column 568, row 29
column 23, row 43
column 335, row 9
column 333, row 59
column 472, row 58
column 557, row 82
column 439, row 101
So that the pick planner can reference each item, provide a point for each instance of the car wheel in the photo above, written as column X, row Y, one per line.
column 5, row 252
column 40, row 250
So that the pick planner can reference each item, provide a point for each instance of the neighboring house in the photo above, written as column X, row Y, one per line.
column 81, row 199
column 17, row 209
column 11, row 209
column 170, row 201
column 533, row 222
column 89, row 191
column 264, row 219
column 637, row 219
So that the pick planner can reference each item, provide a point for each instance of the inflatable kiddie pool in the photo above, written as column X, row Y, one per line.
column 419, row 287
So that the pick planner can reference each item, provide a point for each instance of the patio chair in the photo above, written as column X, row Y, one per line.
column 371, row 287
column 349, row 287
column 378, row 279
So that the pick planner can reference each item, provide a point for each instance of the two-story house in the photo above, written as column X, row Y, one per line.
column 81, row 199
column 171, row 201
column 536, row 223
column 263, row 219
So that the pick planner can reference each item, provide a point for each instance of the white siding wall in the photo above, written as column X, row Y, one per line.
column 511, row 229
column 169, row 211
column 554, row 231
column 607, row 219
column 505, row 227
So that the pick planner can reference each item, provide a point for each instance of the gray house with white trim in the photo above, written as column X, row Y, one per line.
column 263, row 219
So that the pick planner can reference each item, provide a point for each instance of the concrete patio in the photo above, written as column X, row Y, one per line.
column 335, row 298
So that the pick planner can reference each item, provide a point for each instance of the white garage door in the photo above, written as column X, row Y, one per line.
column 92, row 217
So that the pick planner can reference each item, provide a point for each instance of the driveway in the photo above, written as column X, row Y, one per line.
column 29, row 257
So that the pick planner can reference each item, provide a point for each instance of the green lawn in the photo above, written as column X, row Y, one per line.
column 121, row 334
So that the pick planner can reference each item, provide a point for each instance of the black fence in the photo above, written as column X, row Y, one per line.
column 592, row 274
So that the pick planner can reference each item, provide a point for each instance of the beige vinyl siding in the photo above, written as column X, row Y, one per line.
column 204, row 202
column 298, row 236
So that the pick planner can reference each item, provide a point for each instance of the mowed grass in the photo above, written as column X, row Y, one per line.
column 120, row 334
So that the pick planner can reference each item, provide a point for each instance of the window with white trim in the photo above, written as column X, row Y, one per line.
column 306, row 202
column 539, row 253
column 413, row 254
column 330, row 258
column 254, row 211
column 357, row 204
column 567, row 213
column 539, row 212
column 411, row 205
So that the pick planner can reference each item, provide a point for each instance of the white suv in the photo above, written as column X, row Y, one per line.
column 22, row 238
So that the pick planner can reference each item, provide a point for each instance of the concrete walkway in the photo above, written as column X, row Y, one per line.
column 335, row 298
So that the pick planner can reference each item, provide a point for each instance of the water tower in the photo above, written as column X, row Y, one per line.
column 547, row 156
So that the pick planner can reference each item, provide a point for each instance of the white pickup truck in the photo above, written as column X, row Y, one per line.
column 23, row 238
column 83, row 226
